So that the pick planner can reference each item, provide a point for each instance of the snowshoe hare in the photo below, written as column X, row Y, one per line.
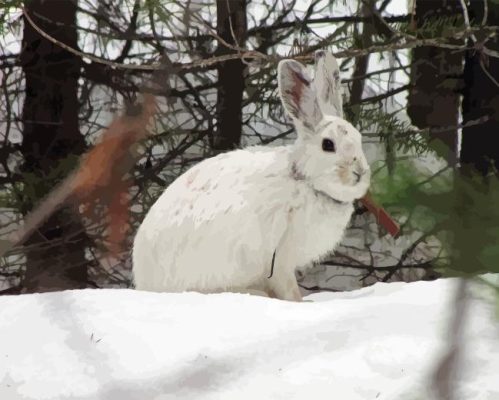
column 244, row 220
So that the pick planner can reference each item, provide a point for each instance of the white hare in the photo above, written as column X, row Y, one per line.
column 246, row 219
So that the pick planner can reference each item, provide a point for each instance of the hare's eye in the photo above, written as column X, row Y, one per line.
column 328, row 145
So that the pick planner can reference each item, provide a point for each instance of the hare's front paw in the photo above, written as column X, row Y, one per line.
column 284, row 287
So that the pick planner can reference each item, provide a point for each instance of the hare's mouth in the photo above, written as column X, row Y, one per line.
column 360, row 175
column 349, row 177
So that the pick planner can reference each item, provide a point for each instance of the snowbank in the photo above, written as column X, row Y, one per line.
column 375, row 343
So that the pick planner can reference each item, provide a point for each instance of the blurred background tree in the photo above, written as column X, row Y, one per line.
column 420, row 80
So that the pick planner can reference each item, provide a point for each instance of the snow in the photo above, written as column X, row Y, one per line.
column 379, row 342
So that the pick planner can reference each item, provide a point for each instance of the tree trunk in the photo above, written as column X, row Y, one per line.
column 51, row 144
column 231, row 27
column 361, row 64
column 479, row 148
column 433, row 100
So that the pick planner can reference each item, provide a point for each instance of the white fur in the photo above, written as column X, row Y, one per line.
column 218, row 225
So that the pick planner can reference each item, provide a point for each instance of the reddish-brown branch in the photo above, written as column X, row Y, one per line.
column 383, row 218
column 100, row 177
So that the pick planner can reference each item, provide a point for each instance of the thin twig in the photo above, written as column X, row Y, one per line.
column 485, row 12
column 252, row 54
column 467, row 19
column 231, row 25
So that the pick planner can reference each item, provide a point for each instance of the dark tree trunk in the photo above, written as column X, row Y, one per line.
column 433, row 100
column 475, row 238
column 231, row 27
column 480, row 148
column 51, row 144
column 361, row 64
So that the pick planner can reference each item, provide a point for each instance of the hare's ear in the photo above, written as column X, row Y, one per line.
column 327, row 83
column 298, row 95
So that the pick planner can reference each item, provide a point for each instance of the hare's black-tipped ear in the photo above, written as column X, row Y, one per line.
column 327, row 83
column 297, row 94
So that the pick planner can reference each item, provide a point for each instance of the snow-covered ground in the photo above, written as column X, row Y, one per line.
column 379, row 342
